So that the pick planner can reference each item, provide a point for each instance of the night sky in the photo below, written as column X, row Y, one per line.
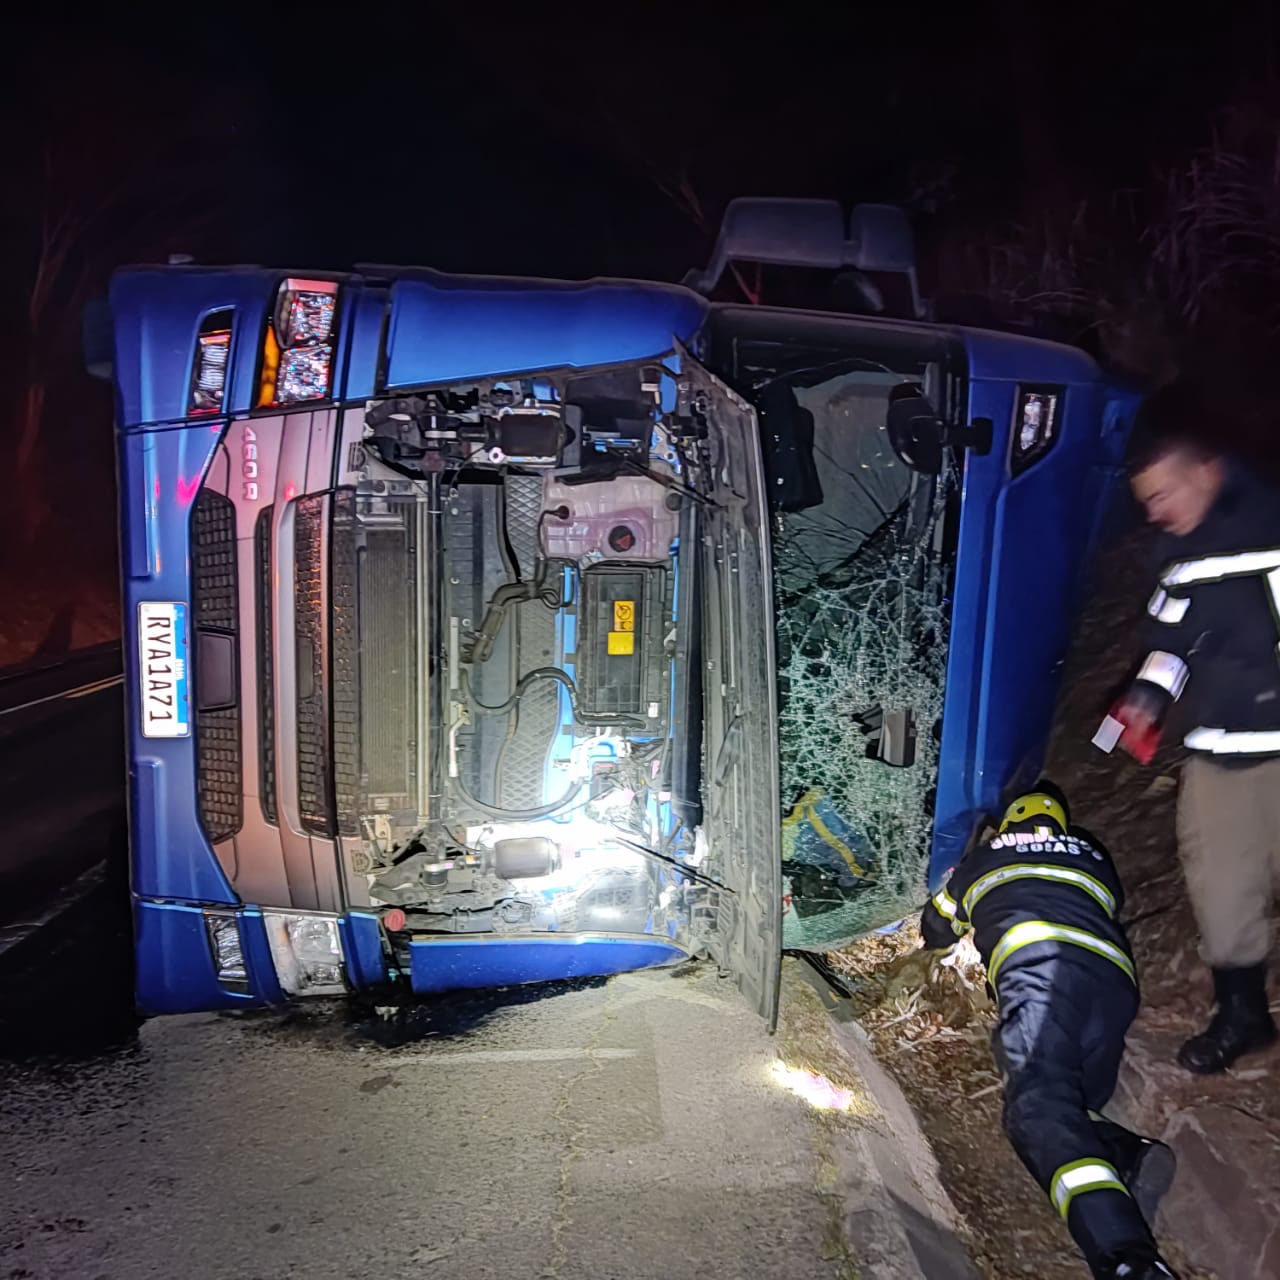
column 476, row 139
column 598, row 141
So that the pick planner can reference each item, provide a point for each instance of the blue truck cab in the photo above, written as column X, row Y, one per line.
column 489, row 630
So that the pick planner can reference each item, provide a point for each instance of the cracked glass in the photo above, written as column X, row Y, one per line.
column 860, row 589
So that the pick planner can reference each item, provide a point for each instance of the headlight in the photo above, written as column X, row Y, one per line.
column 209, row 368
column 1036, row 425
column 227, row 950
column 306, row 316
column 304, row 374
column 307, row 952
column 298, row 350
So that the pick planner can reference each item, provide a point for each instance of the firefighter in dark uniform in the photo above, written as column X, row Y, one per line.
column 1043, row 901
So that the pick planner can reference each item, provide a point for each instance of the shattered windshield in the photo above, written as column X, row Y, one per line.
column 861, row 569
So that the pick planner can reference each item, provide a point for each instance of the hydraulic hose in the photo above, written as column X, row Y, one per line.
column 507, row 594
column 538, row 673
column 516, row 815
column 543, row 673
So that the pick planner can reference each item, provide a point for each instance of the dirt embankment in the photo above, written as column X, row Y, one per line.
column 931, row 1024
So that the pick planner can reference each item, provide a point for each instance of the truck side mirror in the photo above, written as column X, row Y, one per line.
column 920, row 437
column 891, row 735
column 917, row 434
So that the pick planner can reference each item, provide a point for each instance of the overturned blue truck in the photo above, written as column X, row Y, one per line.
column 484, row 630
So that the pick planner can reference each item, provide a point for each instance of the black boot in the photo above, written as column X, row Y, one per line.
column 1139, row 1263
column 1145, row 1166
column 1241, row 1024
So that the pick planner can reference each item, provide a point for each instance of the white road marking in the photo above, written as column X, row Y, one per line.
column 98, row 686
column 478, row 1056
column 109, row 683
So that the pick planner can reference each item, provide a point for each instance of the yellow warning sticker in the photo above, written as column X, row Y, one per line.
column 622, row 642
column 624, row 616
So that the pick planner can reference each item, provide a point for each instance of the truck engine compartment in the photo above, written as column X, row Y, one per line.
column 523, row 591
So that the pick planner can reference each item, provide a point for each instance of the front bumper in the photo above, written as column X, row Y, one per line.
column 177, row 970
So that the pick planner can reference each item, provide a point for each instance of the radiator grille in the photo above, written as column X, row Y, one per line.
column 219, row 763
column 346, row 660
column 389, row 675
column 266, row 667
column 315, row 806
column 213, row 561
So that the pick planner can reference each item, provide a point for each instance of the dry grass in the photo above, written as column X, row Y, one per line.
column 1186, row 259
column 930, row 1024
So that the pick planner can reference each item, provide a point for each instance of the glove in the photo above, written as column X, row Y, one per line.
column 1136, row 722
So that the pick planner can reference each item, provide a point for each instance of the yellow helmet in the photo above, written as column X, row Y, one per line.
column 1034, row 807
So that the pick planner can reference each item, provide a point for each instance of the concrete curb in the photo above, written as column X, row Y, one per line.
column 901, row 1221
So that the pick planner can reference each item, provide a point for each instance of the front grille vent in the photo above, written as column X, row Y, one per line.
column 346, row 659
column 219, row 763
column 266, row 666
column 315, row 803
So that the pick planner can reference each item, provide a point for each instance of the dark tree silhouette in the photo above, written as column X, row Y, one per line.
column 121, row 162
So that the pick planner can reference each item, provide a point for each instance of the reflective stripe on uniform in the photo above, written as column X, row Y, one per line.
column 1032, row 931
column 1273, row 585
column 1165, row 670
column 1215, row 568
column 1224, row 742
column 945, row 903
column 1080, row 1176
column 1168, row 609
column 1038, row 871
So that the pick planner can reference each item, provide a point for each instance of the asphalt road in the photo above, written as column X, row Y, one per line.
column 62, row 807
column 624, row 1129
column 64, row 919
column 607, row 1130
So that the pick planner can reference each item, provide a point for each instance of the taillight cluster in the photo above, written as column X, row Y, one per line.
column 297, row 352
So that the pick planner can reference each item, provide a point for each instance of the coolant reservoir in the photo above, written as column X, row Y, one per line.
column 622, row 519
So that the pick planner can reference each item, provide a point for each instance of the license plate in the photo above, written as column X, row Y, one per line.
column 162, row 669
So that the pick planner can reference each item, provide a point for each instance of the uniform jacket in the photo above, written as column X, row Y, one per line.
column 1028, row 896
column 1214, row 630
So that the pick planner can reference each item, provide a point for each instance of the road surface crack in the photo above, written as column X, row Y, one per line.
column 573, row 1131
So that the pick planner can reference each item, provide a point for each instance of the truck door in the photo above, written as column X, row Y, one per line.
column 1029, row 515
